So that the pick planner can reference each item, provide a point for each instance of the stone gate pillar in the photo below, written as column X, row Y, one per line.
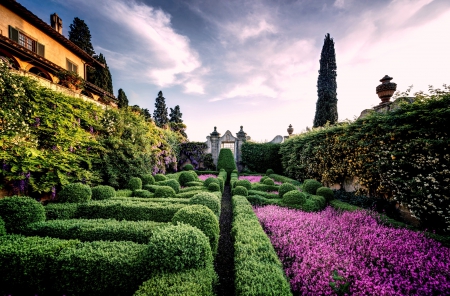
column 215, row 149
column 242, row 137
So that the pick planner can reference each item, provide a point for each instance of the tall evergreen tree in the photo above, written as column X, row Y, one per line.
column 100, row 76
column 160, row 113
column 80, row 35
column 175, row 121
column 326, row 106
column 146, row 114
column 122, row 99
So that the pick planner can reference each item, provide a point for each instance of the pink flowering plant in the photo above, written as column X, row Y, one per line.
column 351, row 252
column 206, row 176
column 252, row 179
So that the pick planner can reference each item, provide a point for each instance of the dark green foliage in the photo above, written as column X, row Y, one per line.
column 171, row 183
column 258, row 271
column 177, row 248
column 326, row 192
column 264, row 187
column 147, row 179
column 310, row 186
column 192, row 188
column 294, row 197
column 2, row 227
column 103, row 192
column 234, row 178
column 142, row 193
column 311, row 205
column 176, row 123
column 226, row 162
column 326, row 106
column 122, row 99
column 160, row 177
column 269, row 182
column 207, row 173
column 19, row 211
column 285, row 187
column 208, row 162
column 189, row 194
column 244, row 183
column 134, row 183
column 204, row 219
column 160, row 113
column 151, row 188
column 211, row 180
column 80, row 35
column 240, row 190
column 269, row 172
column 164, row 191
column 75, row 192
column 101, row 76
column 187, row 176
column 264, row 178
column 207, row 199
column 61, row 210
column 259, row 200
column 188, row 167
column 95, row 229
column 267, row 195
column 320, row 200
column 124, row 192
column 194, row 184
column 283, row 179
column 340, row 205
column 214, row 187
column 259, row 157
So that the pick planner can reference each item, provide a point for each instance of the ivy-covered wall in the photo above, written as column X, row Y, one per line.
column 403, row 154
column 48, row 139
column 259, row 157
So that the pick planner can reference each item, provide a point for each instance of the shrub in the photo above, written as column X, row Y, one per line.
column 233, row 179
column 243, row 183
column 269, row 172
column 19, row 211
column 283, row 179
column 151, row 188
column 264, row 194
column 325, row 192
column 193, row 188
column 226, row 162
column 321, row 201
column 311, row 205
column 189, row 194
column 264, row 178
column 2, row 227
column 164, row 191
column 207, row 199
column 269, row 181
column 187, row 176
column 160, row 177
column 259, row 157
column 135, row 183
column 188, row 167
column 310, row 186
column 194, row 184
column 75, row 192
column 124, row 192
column 214, row 187
column 171, row 183
column 204, row 219
column 294, row 197
column 142, row 193
column 147, row 179
column 264, row 187
column 211, row 180
column 343, row 206
column 285, row 187
column 61, row 210
column 102, row 192
column 240, row 190
column 176, row 248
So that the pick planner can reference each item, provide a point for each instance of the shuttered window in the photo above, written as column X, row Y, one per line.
column 26, row 41
column 71, row 66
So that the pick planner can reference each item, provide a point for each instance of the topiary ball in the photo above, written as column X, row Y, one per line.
column 101, row 192
column 175, row 248
column 269, row 181
column 294, row 197
column 188, row 167
column 263, row 179
column 171, row 183
column 160, row 177
column 75, row 192
column 19, row 211
column 269, row 172
column 326, row 192
column 164, row 192
column 142, row 193
column 186, row 177
column 321, row 201
column 135, row 183
column 211, row 180
column 207, row 199
column 310, row 186
column 214, row 187
column 244, row 183
column 204, row 219
column 147, row 179
column 2, row 227
column 240, row 190
column 284, row 188
column 311, row 205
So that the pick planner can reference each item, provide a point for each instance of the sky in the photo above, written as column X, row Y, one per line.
column 233, row 63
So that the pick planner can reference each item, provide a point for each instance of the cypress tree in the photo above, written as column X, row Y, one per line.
column 160, row 113
column 100, row 76
column 80, row 35
column 122, row 99
column 326, row 106
column 175, row 121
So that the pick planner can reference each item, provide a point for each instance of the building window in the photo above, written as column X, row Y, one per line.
column 26, row 41
column 71, row 66
column 229, row 145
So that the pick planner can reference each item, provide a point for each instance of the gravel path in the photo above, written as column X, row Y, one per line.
column 224, row 263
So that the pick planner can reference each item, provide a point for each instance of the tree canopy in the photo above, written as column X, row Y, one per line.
column 122, row 99
column 80, row 35
column 100, row 76
column 160, row 113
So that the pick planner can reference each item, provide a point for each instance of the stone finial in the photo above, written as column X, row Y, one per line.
column 241, row 134
column 290, row 130
column 386, row 89
column 215, row 133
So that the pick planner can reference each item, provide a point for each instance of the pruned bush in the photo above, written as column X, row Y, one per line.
column 243, row 183
column 294, row 197
column 269, row 172
column 176, row 248
column 164, row 191
column 188, row 167
column 207, row 199
column 285, row 187
column 103, row 192
column 147, row 179
column 135, row 183
column 75, row 192
column 211, row 180
column 311, row 205
column 171, row 183
column 321, row 201
column 310, row 186
column 194, row 184
column 214, row 187
column 61, row 210
column 142, row 193
column 264, row 187
column 264, row 178
column 187, row 176
column 204, row 219
column 151, row 188
column 19, row 211
column 269, row 182
column 124, row 192
column 226, row 162
column 160, row 177
column 240, row 190
column 2, row 227
column 325, row 192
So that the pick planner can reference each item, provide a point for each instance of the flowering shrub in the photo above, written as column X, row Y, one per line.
column 204, row 177
column 329, row 251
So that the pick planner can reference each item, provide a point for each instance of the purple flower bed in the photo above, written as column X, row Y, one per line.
column 204, row 177
column 252, row 179
column 355, row 254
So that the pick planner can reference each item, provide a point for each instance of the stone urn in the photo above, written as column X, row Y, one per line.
column 386, row 89
column 290, row 130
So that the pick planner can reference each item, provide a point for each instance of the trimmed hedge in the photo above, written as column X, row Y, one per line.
column 310, row 186
column 75, row 192
column 134, row 183
column 186, row 177
column 209, row 200
column 189, row 194
column 124, row 192
column 294, row 197
column 142, row 193
column 214, row 187
column 264, row 187
column 284, row 188
column 194, row 183
column 326, row 192
column 259, row 200
column 258, row 271
column 269, row 182
column 147, row 179
column 171, row 183
column 19, row 211
column 151, row 188
column 343, row 206
column 159, row 177
column 193, row 188
column 239, row 190
column 164, row 191
column 103, row 192
column 244, row 183
column 61, row 210
column 283, row 179
column 188, row 167
column 269, row 172
column 264, row 194
column 210, row 180
column 226, row 162
column 2, row 227
column 233, row 179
